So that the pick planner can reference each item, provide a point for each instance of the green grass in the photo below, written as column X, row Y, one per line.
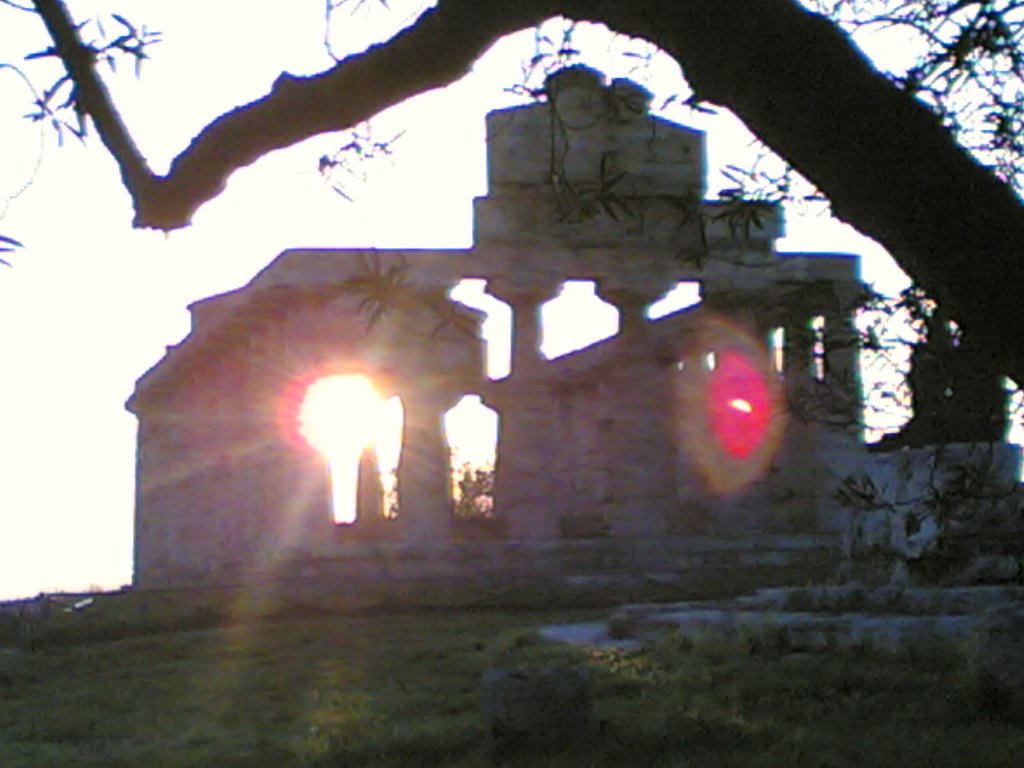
column 147, row 683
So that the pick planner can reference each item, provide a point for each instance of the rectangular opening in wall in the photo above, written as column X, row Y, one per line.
column 777, row 345
column 818, row 347
column 683, row 295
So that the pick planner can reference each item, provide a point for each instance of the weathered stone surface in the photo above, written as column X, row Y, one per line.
column 945, row 514
column 916, row 476
column 821, row 619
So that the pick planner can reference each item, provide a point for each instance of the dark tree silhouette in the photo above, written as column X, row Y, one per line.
column 886, row 162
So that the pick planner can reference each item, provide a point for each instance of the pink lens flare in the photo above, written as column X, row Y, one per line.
column 739, row 404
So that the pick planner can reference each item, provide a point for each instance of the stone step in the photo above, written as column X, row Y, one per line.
column 807, row 619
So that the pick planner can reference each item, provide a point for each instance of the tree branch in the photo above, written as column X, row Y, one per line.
column 887, row 164
column 93, row 98
column 16, row 6
column 437, row 50
column 884, row 160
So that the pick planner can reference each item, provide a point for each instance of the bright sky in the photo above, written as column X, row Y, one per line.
column 90, row 304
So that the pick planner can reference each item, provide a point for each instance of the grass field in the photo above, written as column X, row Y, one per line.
column 314, row 687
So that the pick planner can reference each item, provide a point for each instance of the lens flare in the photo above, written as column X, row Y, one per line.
column 732, row 407
column 739, row 404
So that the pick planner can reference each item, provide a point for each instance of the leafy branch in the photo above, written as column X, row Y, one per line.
column 8, row 245
column 382, row 286
column 64, row 94
column 378, row 287
column 582, row 200
column 552, row 51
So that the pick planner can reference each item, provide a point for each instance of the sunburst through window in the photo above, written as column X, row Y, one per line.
column 344, row 416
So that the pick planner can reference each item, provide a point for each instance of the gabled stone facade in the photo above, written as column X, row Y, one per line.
column 610, row 443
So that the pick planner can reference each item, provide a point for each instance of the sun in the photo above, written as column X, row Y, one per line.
column 340, row 415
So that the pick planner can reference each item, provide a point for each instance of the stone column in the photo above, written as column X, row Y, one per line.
column 424, row 470
column 526, row 302
column 523, row 488
column 795, row 467
column 808, row 460
column 369, row 490
column 797, row 354
column 839, row 444
column 523, row 473
column 842, row 367
column 644, row 490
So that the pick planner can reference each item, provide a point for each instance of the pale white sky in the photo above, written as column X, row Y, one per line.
column 90, row 304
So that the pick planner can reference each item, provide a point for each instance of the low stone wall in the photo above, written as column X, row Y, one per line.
column 827, row 619
column 617, row 568
column 948, row 515
column 917, row 476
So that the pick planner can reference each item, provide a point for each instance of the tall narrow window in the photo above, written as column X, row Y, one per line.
column 472, row 431
column 818, row 348
column 345, row 419
column 777, row 345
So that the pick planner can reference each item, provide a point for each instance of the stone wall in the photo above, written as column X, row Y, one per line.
column 591, row 458
column 623, row 566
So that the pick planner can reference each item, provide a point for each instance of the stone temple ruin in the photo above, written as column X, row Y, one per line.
column 712, row 438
